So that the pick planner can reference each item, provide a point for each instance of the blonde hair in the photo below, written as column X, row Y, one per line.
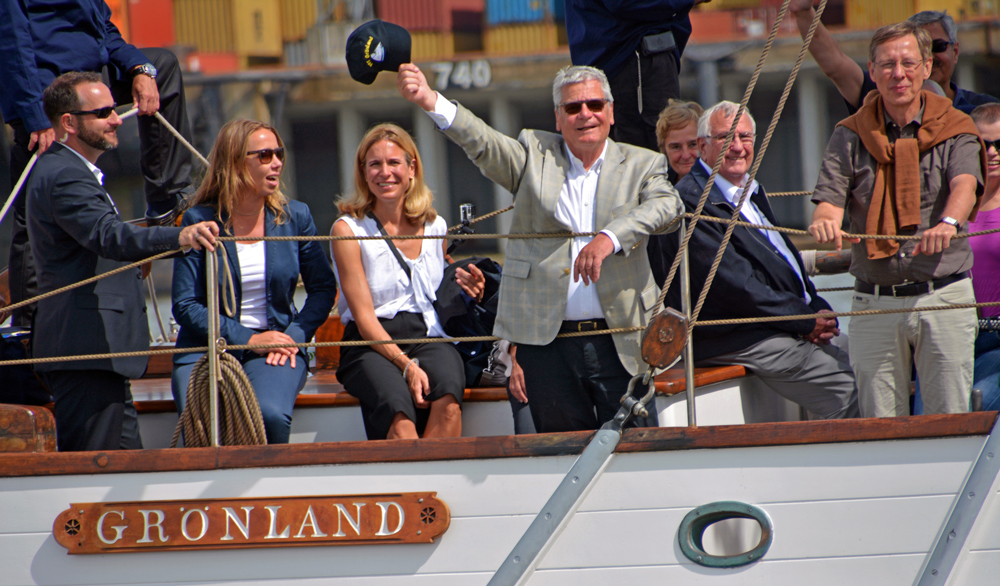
column 418, row 201
column 675, row 116
column 228, row 179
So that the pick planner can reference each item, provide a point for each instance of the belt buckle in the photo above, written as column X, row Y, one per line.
column 586, row 326
column 893, row 288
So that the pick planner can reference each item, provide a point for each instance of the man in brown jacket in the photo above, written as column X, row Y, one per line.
column 907, row 163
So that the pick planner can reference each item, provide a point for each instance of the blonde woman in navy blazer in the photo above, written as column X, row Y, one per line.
column 241, row 193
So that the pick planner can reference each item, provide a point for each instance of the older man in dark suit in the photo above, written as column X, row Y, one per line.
column 76, row 233
column 761, row 275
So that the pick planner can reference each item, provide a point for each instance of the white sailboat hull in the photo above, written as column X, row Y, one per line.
column 857, row 513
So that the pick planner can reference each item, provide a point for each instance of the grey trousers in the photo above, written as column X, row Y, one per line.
column 819, row 378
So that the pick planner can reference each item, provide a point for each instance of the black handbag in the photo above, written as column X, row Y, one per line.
column 462, row 316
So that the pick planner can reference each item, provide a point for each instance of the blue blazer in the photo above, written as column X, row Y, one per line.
column 76, row 233
column 283, row 263
column 42, row 39
column 753, row 280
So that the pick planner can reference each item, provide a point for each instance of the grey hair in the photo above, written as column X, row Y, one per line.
column 578, row 74
column 931, row 16
column 986, row 113
column 727, row 109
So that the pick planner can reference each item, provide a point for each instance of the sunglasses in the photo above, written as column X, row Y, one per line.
column 265, row 156
column 573, row 108
column 940, row 45
column 100, row 113
column 992, row 143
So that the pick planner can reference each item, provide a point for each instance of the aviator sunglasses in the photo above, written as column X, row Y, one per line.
column 992, row 143
column 940, row 45
column 266, row 155
column 573, row 108
column 101, row 113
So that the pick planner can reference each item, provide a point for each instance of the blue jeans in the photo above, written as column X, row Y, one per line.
column 275, row 386
column 985, row 374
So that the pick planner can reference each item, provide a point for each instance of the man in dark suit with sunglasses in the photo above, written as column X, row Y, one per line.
column 42, row 39
column 76, row 233
column 854, row 83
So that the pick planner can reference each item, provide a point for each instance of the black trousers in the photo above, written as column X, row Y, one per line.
column 165, row 166
column 94, row 410
column 574, row 384
column 658, row 73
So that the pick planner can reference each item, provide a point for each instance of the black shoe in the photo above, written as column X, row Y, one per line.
column 170, row 218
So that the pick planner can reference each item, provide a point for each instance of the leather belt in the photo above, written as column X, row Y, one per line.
column 588, row 325
column 908, row 289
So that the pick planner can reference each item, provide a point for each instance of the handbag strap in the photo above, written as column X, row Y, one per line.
column 392, row 247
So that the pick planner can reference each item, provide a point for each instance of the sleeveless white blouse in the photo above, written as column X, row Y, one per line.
column 392, row 292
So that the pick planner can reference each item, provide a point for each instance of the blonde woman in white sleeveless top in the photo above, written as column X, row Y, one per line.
column 409, row 390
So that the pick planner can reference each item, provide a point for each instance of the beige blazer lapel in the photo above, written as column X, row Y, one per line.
column 609, row 185
column 554, row 167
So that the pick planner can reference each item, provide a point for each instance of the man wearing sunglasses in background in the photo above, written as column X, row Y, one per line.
column 76, row 233
column 40, row 40
column 854, row 83
column 576, row 181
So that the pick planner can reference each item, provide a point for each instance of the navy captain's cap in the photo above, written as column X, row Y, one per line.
column 376, row 46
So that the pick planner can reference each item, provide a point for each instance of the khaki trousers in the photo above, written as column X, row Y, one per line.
column 883, row 349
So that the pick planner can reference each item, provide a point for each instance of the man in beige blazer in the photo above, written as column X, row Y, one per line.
column 576, row 181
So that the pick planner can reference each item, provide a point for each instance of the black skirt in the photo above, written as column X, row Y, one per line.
column 378, row 384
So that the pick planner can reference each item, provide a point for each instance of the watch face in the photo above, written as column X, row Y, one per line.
column 146, row 69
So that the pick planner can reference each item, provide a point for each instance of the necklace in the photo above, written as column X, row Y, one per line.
column 257, row 213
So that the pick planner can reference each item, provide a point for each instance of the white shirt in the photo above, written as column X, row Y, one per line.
column 253, row 303
column 752, row 214
column 575, row 208
column 391, row 290
column 97, row 173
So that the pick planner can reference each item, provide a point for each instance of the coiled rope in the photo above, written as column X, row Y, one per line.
column 240, row 420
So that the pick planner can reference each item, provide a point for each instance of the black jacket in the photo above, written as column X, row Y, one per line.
column 76, row 233
column 753, row 280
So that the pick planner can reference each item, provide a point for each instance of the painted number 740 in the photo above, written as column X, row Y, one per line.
column 462, row 74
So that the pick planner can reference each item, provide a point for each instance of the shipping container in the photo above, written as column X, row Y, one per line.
column 862, row 14
column 119, row 16
column 210, row 63
column 432, row 15
column 716, row 5
column 432, row 46
column 514, row 11
column 256, row 28
column 151, row 23
column 297, row 53
column 205, row 25
column 296, row 18
column 982, row 8
column 712, row 26
column 514, row 39
column 327, row 42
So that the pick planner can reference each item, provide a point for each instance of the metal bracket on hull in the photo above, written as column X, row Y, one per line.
column 940, row 562
column 552, row 519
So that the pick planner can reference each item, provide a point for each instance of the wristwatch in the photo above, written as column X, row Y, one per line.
column 144, row 69
column 952, row 221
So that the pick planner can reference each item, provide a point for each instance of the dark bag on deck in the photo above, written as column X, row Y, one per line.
column 462, row 316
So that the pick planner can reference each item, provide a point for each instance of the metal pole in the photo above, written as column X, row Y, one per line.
column 213, row 337
column 688, row 345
